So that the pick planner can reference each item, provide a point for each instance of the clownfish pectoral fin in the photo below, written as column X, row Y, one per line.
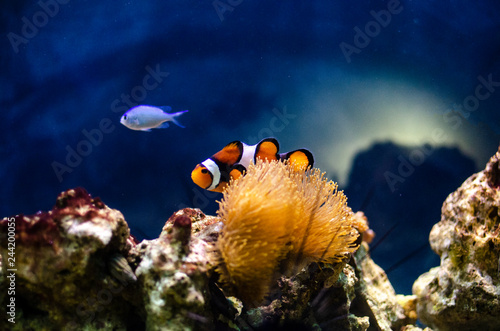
column 230, row 154
column 220, row 188
column 300, row 159
column 267, row 149
column 237, row 171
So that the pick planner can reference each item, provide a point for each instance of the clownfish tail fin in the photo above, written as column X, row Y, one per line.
column 300, row 158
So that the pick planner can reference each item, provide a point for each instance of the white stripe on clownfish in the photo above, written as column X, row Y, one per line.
column 248, row 155
column 214, row 170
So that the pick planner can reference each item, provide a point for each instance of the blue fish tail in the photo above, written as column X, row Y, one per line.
column 174, row 115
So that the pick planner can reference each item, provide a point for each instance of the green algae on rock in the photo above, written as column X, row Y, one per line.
column 463, row 293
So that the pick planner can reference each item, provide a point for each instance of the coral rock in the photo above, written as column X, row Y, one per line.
column 62, row 260
column 172, row 271
column 463, row 293
column 77, row 267
column 376, row 296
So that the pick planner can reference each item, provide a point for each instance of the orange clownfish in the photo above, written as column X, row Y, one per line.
column 232, row 161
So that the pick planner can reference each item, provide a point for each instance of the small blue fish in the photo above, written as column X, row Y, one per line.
column 145, row 118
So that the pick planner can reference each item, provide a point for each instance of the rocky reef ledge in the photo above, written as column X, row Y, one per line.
column 463, row 293
column 77, row 267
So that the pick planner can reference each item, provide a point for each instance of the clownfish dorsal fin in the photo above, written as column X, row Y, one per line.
column 237, row 171
column 300, row 158
column 267, row 149
column 230, row 154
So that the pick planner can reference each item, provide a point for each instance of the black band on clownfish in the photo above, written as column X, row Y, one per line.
column 232, row 161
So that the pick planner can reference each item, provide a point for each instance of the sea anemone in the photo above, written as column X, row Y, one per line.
column 276, row 215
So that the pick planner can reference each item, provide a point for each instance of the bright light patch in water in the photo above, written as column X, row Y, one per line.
column 337, row 114
column 343, row 119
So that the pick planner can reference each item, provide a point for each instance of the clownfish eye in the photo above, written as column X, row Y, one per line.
column 204, row 171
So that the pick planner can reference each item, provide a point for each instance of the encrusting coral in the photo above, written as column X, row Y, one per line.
column 78, row 268
column 463, row 293
column 70, row 266
column 172, row 272
column 277, row 216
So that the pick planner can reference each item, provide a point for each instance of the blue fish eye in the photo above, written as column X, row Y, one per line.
column 124, row 117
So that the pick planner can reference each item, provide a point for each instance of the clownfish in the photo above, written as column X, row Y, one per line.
column 214, row 173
